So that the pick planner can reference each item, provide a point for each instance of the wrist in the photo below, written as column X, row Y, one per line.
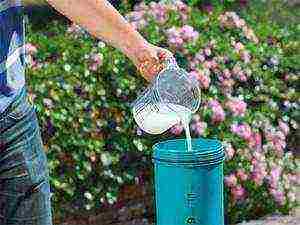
column 136, row 49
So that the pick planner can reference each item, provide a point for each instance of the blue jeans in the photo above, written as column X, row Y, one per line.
column 24, row 177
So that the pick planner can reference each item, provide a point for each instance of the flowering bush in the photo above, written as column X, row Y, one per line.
column 248, row 75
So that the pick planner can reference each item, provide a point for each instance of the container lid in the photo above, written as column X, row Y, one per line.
column 204, row 151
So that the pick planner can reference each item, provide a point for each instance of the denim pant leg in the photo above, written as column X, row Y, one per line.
column 24, row 176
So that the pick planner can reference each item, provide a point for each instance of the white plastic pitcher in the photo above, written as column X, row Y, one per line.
column 171, row 97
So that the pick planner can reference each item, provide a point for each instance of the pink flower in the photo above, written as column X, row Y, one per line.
column 241, row 76
column 294, row 178
column 239, row 46
column 141, row 6
column 236, row 69
column 199, row 127
column 275, row 176
column 277, row 141
column 284, row 127
column 207, row 64
column 230, row 180
column 258, row 156
column 188, row 33
column 173, row 31
column 177, row 41
column 259, row 173
column 226, row 73
column 194, row 74
column 176, row 129
column 259, row 168
column 214, row 64
column 255, row 141
column 159, row 12
column 208, row 8
column 200, row 57
column 187, row 29
column 30, row 49
column 241, row 174
column 257, row 178
column 243, row 130
column 238, row 192
column 135, row 16
column 204, row 80
column 227, row 85
column 245, row 55
column 138, row 25
column 174, row 37
column 291, row 196
column 217, row 110
column 237, row 107
column 193, row 64
column 182, row 8
column 250, row 34
column 229, row 150
column 278, row 196
column 93, row 67
column 239, row 73
column 218, row 115
column 97, row 58
column 96, row 61
column 240, row 23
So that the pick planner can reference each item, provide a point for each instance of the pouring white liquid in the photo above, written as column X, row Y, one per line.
column 154, row 122
column 185, row 122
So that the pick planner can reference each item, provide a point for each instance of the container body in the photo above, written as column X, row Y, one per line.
column 188, row 192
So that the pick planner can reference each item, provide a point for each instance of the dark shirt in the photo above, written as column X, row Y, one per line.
column 12, row 51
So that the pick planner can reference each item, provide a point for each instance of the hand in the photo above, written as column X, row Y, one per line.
column 149, row 60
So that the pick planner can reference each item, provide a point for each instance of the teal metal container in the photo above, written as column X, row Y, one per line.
column 189, row 185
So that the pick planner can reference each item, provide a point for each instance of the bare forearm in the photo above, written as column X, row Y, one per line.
column 103, row 21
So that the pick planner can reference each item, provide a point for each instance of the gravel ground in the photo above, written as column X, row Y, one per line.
column 277, row 220
column 272, row 220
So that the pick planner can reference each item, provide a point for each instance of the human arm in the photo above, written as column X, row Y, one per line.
column 103, row 21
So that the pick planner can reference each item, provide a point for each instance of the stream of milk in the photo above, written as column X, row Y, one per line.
column 168, row 115
column 186, row 121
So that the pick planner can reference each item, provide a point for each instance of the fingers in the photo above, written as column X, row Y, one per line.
column 149, row 69
column 150, row 62
column 162, row 55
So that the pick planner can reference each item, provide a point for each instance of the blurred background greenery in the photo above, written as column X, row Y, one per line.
column 86, row 122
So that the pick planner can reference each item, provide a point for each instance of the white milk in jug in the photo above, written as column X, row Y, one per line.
column 158, row 121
